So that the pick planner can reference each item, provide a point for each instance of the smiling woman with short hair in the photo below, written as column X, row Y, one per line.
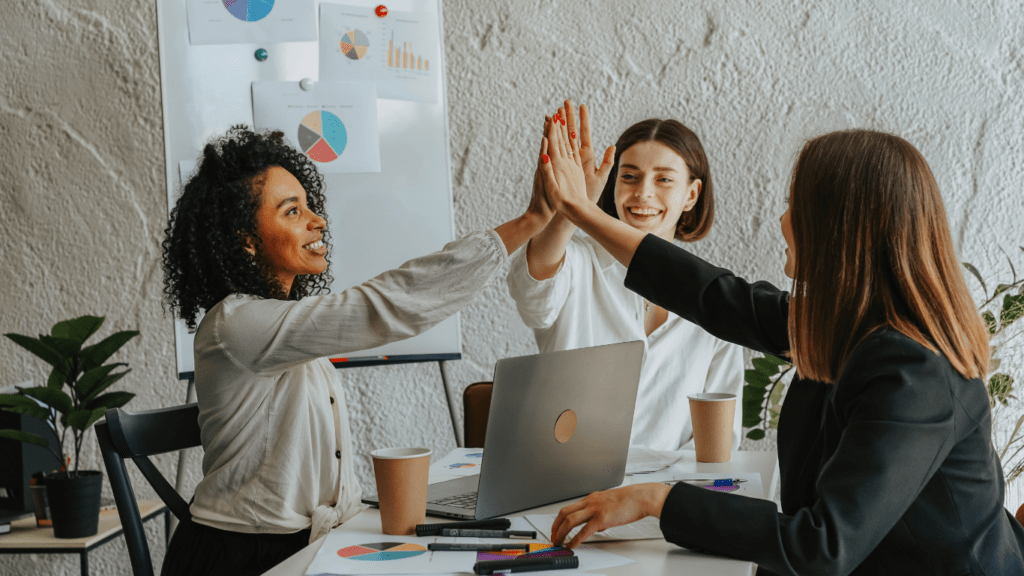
column 570, row 291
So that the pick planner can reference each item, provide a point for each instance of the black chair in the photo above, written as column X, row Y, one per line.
column 138, row 435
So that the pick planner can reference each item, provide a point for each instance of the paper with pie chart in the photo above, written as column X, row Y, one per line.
column 245, row 21
column 399, row 52
column 352, row 552
column 333, row 123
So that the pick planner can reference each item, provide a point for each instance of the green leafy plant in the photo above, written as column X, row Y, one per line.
column 78, row 368
column 764, row 386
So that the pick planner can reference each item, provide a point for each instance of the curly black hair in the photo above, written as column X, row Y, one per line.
column 205, row 259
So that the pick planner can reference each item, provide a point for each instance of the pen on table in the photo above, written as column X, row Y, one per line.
column 710, row 481
column 489, row 533
column 526, row 565
column 435, row 529
column 446, row 547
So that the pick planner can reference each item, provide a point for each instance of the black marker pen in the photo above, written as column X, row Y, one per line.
column 526, row 565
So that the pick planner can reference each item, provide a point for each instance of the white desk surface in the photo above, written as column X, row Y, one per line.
column 652, row 556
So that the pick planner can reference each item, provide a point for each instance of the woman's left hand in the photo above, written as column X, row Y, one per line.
column 603, row 510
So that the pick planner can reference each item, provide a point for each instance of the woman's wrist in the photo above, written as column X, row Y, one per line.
column 655, row 499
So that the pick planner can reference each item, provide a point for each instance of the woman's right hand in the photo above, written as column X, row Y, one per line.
column 596, row 175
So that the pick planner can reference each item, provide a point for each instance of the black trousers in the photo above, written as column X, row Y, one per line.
column 196, row 550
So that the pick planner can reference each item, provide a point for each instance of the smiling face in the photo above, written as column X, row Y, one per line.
column 291, row 234
column 653, row 188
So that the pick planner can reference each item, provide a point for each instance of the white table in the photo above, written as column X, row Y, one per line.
column 652, row 556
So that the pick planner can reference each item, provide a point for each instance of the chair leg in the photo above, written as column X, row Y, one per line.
column 127, row 509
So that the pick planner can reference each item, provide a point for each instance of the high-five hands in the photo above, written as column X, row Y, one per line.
column 596, row 175
column 562, row 167
column 603, row 510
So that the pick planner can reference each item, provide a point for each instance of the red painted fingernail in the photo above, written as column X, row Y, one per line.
column 562, row 120
column 544, row 159
column 572, row 134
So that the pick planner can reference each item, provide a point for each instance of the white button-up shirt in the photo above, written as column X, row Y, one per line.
column 586, row 304
column 278, row 450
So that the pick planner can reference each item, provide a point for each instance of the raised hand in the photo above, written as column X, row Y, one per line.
column 539, row 205
column 563, row 177
column 596, row 174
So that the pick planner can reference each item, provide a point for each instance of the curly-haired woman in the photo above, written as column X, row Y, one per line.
column 247, row 244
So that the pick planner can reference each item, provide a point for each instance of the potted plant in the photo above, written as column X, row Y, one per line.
column 73, row 494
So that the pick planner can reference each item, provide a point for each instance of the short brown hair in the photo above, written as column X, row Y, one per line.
column 873, row 250
column 695, row 223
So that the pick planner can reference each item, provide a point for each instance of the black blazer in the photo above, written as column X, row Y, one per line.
column 890, row 471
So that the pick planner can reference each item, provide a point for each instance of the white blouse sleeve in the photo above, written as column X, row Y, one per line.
column 540, row 301
column 267, row 336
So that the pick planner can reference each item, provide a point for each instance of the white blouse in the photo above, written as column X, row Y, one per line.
column 278, row 450
column 586, row 304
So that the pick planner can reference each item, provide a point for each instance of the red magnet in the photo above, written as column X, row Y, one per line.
column 381, row 10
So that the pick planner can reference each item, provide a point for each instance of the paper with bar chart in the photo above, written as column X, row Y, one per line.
column 243, row 21
column 334, row 123
column 400, row 52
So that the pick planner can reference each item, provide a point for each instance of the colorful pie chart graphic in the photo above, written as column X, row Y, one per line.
column 381, row 551
column 461, row 465
column 322, row 136
column 354, row 44
column 249, row 10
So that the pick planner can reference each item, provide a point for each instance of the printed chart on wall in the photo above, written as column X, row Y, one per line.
column 242, row 21
column 333, row 123
column 397, row 50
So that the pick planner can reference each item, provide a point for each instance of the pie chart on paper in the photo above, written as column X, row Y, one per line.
column 249, row 10
column 381, row 551
column 322, row 136
column 354, row 44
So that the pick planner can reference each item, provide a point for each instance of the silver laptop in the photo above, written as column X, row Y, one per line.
column 558, row 428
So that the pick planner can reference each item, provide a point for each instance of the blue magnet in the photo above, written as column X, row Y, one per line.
column 261, row 54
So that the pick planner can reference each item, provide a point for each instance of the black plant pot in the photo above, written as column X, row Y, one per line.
column 74, row 503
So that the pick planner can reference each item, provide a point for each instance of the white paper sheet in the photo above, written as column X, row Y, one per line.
column 643, row 460
column 357, row 552
column 245, row 21
column 334, row 123
column 352, row 552
column 647, row 529
column 459, row 462
column 399, row 51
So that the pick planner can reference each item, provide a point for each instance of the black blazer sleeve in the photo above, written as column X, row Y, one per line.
column 730, row 308
column 895, row 423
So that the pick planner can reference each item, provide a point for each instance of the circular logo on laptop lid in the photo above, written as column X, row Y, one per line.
column 565, row 426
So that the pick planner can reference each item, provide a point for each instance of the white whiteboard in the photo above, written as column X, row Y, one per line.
column 377, row 221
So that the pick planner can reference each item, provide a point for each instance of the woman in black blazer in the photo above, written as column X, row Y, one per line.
column 887, row 466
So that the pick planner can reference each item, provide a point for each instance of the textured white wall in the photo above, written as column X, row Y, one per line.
column 82, row 203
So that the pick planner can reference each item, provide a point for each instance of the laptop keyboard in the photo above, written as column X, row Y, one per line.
column 467, row 501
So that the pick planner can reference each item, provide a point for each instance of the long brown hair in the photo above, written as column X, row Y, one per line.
column 695, row 223
column 873, row 249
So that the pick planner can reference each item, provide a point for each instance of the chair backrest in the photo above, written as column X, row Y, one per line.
column 138, row 435
column 476, row 404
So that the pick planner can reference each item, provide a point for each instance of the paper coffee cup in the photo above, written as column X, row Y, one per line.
column 401, row 475
column 711, row 414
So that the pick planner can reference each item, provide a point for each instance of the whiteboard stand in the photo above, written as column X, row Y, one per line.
column 451, row 403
